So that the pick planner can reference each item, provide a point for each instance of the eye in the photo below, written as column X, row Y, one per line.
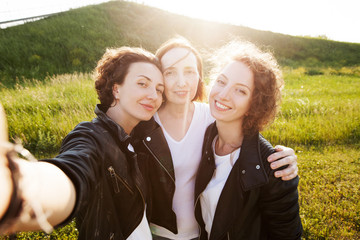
column 240, row 91
column 189, row 72
column 142, row 84
column 160, row 90
column 220, row 82
column 169, row 73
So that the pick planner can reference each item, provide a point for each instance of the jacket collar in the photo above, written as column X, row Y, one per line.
column 114, row 128
column 152, row 136
column 249, row 165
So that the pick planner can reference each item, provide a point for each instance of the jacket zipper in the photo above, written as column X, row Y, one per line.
column 159, row 161
column 142, row 197
column 114, row 176
column 228, row 236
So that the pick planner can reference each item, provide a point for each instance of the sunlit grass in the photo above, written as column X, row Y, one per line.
column 319, row 118
column 318, row 110
column 41, row 114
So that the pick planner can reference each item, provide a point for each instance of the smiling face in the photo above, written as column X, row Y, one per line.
column 140, row 95
column 181, row 76
column 231, row 94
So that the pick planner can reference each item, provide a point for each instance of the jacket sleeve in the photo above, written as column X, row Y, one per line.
column 279, row 204
column 79, row 160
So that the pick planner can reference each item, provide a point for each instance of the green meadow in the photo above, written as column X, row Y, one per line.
column 46, row 88
column 319, row 118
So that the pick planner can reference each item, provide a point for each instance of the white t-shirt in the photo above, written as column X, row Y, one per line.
column 210, row 196
column 142, row 231
column 186, row 155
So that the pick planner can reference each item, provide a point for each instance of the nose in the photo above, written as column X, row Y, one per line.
column 153, row 94
column 181, row 81
column 224, row 93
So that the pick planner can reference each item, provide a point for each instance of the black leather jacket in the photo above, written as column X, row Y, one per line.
column 110, row 190
column 253, row 204
column 158, row 170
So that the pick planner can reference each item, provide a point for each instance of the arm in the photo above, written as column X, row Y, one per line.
column 42, row 186
column 284, row 157
column 280, row 208
column 44, row 189
column 279, row 202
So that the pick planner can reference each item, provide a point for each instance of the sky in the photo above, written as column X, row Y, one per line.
column 338, row 20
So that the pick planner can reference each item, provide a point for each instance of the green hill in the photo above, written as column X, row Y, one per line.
column 76, row 39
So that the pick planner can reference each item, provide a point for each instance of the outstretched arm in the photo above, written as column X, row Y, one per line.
column 48, row 194
column 284, row 156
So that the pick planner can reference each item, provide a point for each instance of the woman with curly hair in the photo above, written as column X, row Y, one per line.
column 237, row 195
column 96, row 177
column 184, row 120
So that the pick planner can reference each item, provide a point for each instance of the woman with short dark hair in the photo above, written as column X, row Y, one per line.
column 96, row 177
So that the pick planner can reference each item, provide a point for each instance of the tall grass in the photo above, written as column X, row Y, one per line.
column 319, row 118
column 40, row 114
column 318, row 110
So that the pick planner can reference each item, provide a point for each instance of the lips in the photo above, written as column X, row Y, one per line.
column 148, row 107
column 181, row 93
column 221, row 107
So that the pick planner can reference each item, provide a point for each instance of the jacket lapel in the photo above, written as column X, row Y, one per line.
column 150, row 133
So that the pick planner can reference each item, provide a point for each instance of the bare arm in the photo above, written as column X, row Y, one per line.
column 43, row 186
column 282, row 157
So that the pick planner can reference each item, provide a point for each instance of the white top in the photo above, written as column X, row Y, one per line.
column 210, row 196
column 186, row 155
column 142, row 231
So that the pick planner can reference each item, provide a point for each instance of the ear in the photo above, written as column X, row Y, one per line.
column 115, row 90
column 3, row 126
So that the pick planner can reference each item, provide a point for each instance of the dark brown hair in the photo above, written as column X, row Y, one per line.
column 180, row 42
column 113, row 67
column 268, row 81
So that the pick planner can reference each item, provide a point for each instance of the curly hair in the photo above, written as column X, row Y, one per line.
column 268, row 81
column 113, row 67
column 181, row 42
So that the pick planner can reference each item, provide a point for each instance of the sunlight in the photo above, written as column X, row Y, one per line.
column 298, row 18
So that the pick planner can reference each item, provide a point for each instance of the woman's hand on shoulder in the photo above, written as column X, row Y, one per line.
column 284, row 156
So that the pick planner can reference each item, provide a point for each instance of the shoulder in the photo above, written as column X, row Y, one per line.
column 265, row 150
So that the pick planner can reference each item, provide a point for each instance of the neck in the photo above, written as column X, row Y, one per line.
column 126, row 123
column 230, row 137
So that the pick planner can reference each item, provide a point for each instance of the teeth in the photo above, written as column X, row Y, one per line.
column 219, row 105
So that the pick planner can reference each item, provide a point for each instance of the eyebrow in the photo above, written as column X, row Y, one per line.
column 236, row 83
column 149, row 79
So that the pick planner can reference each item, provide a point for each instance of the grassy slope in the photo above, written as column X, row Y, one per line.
column 75, row 40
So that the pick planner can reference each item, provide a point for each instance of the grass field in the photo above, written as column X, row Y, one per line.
column 319, row 118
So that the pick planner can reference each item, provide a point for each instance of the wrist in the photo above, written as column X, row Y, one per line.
column 6, row 190
column 12, row 205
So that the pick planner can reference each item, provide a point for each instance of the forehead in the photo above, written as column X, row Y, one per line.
column 178, row 57
column 144, row 69
column 238, row 72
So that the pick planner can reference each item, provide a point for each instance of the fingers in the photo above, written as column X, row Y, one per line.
column 288, row 174
column 281, row 152
column 284, row 156
column 288, row 160
column 290, row 171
